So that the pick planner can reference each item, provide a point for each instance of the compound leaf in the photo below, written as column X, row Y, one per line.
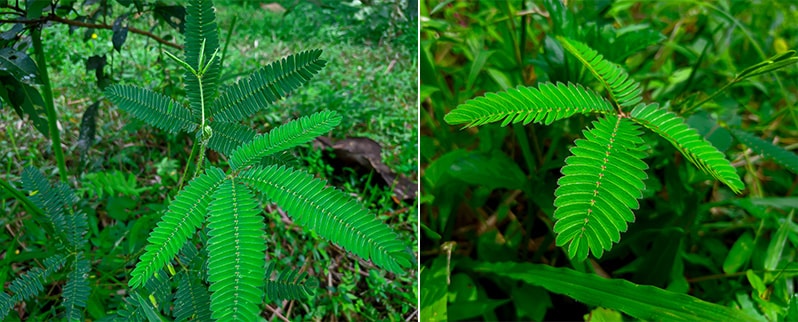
column 284, row 137
column 202, row 39
column 77, row 290
column 289, row 285
column 30, row 284
column 185, row 214
column 545, row 104
column 266, row 86
column 155, row 109
column 601, row 184
column 624, row 90
column 191, row 298
column 331, row 213
column 769, row 150
column 228, row 136
column 700, row 152
column 235, row 253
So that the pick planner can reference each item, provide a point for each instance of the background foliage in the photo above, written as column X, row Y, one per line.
column 488, row 247
column 122, row 180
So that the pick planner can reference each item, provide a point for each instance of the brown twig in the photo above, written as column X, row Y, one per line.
column 65, row 21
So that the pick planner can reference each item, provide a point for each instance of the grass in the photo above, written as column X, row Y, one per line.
column 370, row 81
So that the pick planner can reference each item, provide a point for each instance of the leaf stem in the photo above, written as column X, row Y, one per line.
column 55, row 136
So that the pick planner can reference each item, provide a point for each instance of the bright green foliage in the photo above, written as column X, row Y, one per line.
column 773, row 152
column 624, row 90
column 225, row 203
column 186, row 213
column 266, row 86
column 604, row 177
column 288, row 285
column 545, row 104
column 697, row 150
column 110, row 183
column 235, row 253
column 601, row 184
column 284, row 137
column 331, row 214
column 154, row 108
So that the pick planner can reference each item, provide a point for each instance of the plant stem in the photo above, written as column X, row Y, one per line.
column 55, row 136
column 696, row 105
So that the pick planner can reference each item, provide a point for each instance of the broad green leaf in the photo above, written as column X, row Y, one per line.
column 739, row 254
column 776, row 246
column 433, row 291
column 640, row 301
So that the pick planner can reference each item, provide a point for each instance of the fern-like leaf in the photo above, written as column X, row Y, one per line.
column 601, row 184
column 151, row 107
column 76, row 290
column 185, row 214
column 228, row 136
column 288, row 285
column 284, row 137
column 192, row 300
column 55, row 204
column 235, row 253
column 770, row 151
column 30, row 284
column 201, row 33
column 545, row 104
column 700, row 152
column 331, row 214
column 266, row 86
column 624, row 90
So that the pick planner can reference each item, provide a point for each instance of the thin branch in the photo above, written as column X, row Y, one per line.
column 92, row 25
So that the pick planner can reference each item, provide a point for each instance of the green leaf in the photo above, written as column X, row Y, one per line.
column 151, row 107
column 739, row 254
column 787, row 159
column 25, row 100
column 491, row 170
column 236, row 250
column 228, row 136
column 434, row 287
column 284, row 137
column 202, row 39
column 332, row 214
column 77, row 290
column 601, row 184
column 266, row 86
column 640, row 301
column 545, row 104
column 192, row 298
column 289, row 285
column 624, row 90
column 697, row 150
column 19, row 65
column 185, row 214
column 777, row 243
